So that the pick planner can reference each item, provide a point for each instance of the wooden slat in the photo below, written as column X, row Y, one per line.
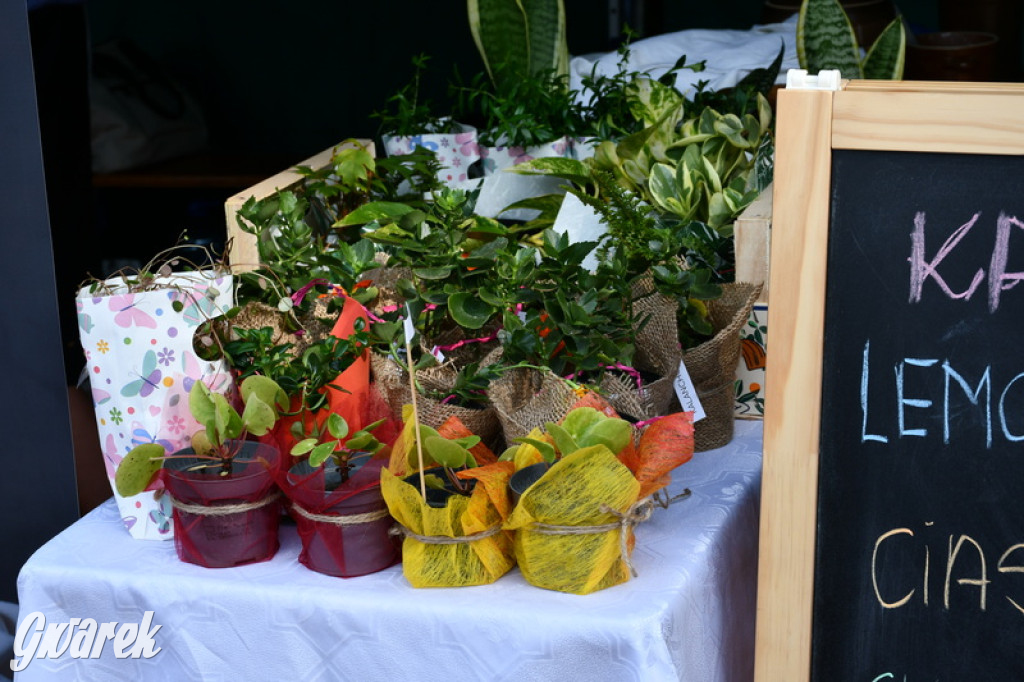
column 929, row 117
column 242, row 253
column 793, row 386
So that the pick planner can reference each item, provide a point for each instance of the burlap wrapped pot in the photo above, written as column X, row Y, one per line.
column 712, row 364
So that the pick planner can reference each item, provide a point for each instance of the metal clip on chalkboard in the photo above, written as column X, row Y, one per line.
column 798, row 79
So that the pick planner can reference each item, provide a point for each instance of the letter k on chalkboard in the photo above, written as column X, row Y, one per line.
column 892, row 525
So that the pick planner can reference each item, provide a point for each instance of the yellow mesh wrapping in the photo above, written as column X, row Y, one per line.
column 571, row 494
column 478, row 562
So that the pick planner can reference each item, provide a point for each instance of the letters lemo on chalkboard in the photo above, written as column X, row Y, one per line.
column 962, row 555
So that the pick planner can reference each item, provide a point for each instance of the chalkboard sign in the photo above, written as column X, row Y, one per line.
column 892, row 543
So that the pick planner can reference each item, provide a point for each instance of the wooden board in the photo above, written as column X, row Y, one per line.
column 890, row 533
column 242, row 251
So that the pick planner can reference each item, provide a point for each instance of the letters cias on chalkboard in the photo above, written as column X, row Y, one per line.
column 920, row 549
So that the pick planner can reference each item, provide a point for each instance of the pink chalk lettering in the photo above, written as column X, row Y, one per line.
column 998, row 279
column 921, row 269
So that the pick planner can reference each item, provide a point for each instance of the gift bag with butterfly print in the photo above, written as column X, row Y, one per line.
column 138, row 347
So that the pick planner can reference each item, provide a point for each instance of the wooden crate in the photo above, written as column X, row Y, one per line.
column 242, row 252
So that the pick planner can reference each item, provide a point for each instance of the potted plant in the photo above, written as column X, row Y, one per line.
column 574, row 523
column 408, row 123
column 449, row 509
column 336, row 500
column 226, row 507
column 442, row 255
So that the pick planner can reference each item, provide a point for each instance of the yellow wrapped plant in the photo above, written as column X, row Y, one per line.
column 451, row 515
column 574, row 525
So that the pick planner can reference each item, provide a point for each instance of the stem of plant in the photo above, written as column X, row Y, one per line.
column 416, row 416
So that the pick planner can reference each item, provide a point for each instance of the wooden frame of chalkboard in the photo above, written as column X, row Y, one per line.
column 817, row 132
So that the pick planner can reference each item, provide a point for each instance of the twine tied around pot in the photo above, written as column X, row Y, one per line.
column 399, row 529
column 341, row 519
column 635, row 514
column 224, row 509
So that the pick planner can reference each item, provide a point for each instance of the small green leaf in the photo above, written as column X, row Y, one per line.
column 321, row 453
column 468, row 310
column 337, row 426
column 445, row 452
column 138, row 468
column 564, row 441
column 375, row 211
column 304, row 446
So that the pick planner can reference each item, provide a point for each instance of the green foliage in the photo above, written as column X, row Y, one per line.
column 407, row 113
column 518, row 112
column 826, row 40
column 331, row 442
column 223, row 431
column 525, row 36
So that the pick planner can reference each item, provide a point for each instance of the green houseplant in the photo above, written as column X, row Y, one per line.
column 336, row 500
column 226, row 507
column 826, row 40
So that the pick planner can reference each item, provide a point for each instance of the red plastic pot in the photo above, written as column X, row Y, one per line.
column 345, row 531
column 207, row 532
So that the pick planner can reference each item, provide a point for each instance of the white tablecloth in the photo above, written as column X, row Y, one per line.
column 689, row 615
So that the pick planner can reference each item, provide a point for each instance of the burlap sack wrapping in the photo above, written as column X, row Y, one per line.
column 527, row 399
column 558, row 544
column 393, row 383
column 430, row 562
column 712, row 364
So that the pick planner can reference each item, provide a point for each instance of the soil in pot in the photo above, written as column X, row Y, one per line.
column 344, row 526
column 222, row 521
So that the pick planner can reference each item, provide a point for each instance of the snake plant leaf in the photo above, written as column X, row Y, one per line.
column 568, row 169
column 468, row 310
column 138, row 468
column 523, row 36
column 885, row 59
column 825, row 39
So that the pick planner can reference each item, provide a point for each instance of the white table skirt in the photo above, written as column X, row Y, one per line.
column 688, row 616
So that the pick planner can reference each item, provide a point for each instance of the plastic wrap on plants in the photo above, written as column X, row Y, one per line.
column 137, row 337
column 352, row 539
column 227, row 521
column 573, row 495
column 477, row 561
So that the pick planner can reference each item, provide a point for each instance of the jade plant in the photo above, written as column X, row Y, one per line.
column 219, row 443
column 825, row 39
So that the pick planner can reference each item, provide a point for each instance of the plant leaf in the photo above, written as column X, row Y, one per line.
column 825, row 39
column 469, row 310
column 885, row 59
column 138, row 468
